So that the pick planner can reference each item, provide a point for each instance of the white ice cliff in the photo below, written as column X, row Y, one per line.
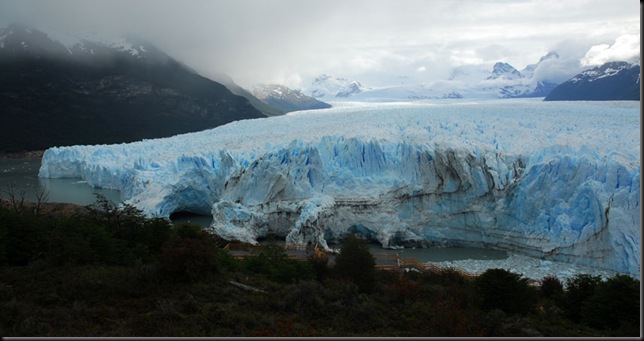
column 555, row 180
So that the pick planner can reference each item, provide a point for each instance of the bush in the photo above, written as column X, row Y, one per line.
column 550, row 287
column 109, row 235
column 356, row 263
column 579, row 288
column 504, row 290
column 273, row 261
column 614, row 303
column 189, row 254
column 404, row 290
column 319, row 262
column 23, row 237
column 450, row 319
column 59, row 240
column 306, row 299
column 145, row 237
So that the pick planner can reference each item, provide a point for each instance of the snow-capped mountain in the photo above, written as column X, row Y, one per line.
column 505, row 81
column 538, row 89
column 18, row 41
column 501, row 80
column 504, row 71
column 58, row 89
column 286, row 99
column 610, row 81
column 529, row 70
column 325, row 86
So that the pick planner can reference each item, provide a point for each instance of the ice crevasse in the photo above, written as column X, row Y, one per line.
column 558, row 181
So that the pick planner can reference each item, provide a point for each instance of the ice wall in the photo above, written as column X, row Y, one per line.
column 560, row 181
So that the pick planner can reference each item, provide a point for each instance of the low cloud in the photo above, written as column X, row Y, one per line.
column 624, row 48
column 264, row 41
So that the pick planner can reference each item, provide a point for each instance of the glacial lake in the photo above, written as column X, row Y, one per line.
column 21, row 177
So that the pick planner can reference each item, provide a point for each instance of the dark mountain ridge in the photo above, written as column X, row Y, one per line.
column 53, row 94
column 610, row 81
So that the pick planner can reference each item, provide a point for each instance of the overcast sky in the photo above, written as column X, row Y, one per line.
column 291, row 41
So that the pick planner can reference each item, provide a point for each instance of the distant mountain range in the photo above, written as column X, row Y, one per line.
column 501, row 81
column 57, row 89
column 286, row 99
column 610, row 81
column 325, row 86
column 615, row 80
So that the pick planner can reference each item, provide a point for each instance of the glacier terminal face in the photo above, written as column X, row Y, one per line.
column 559, row 181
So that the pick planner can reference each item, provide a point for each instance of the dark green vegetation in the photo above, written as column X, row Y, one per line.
column 51, row 96
column 112, row 272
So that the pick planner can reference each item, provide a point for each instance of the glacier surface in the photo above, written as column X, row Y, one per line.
column 558, row 181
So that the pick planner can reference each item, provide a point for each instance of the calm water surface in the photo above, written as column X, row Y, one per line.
column 21, row 177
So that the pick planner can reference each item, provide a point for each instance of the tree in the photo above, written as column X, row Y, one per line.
column 579, row 288
column 123, row 221
column 550, row 287
column 318, row 260
column 614, row 303
column 356, row 263
column 273, row 261
column 144, row 236
column 504, row 290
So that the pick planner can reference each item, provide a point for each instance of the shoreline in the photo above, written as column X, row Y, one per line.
column 51, row 209
column 32, row 154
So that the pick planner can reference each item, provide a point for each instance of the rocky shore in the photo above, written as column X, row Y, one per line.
column 50, row 209
column 33, row 154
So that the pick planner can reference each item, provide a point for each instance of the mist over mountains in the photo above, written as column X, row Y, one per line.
column 501, row 80
column 63, row 90
column 285, row 99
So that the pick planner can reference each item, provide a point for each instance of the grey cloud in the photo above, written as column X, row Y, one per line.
column 277, row 40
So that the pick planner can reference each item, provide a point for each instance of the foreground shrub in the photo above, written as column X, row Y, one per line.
column 614, row 303
column 71, row 242
column 356, row 263
column 284, row 328
column 144, row 236
column 189, row 254
column 273, row 261
column 450, row 319
column 319, row 263
column 550, row 287
column 58, row 240
column 579, row 288
column 404, row 290
column 504, row 290
column 23, row 237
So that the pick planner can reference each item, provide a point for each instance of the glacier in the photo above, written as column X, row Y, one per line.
column 559, row 181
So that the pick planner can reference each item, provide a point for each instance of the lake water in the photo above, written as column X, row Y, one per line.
column 22, row 176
